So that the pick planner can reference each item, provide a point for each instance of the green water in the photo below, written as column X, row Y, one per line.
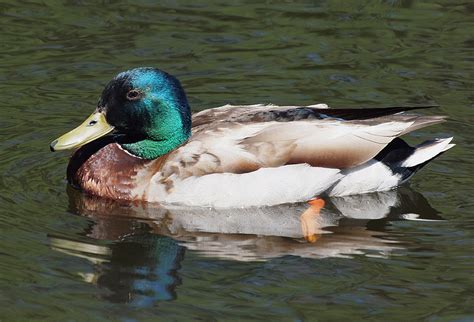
column 66, row 257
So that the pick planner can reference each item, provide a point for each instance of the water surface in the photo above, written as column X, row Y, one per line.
column 402, row 255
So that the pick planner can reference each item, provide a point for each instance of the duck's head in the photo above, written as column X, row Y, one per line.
column 146, row 107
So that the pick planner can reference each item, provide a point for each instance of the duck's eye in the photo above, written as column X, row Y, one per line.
column 133, row 95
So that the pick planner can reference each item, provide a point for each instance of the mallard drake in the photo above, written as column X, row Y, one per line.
column 142, row 144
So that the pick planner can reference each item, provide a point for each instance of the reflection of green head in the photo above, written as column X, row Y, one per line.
column 149, row 108
column 143, row 270
column 159, row 277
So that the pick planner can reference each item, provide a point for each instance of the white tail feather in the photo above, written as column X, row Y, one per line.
column 427, row 151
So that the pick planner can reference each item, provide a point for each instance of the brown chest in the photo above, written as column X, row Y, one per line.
column 104, row 169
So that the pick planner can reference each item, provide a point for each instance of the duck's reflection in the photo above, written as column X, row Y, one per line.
column 139, row 267
column 136, row 249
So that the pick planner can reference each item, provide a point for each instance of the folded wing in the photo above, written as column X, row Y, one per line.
column 225, row 141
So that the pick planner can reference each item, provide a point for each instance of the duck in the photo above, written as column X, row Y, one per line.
column 142, row 144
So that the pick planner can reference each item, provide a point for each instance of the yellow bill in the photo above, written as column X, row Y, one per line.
column 91, row 129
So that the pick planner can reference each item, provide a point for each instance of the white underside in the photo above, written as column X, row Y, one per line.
column 272, row 186
column 264, row 187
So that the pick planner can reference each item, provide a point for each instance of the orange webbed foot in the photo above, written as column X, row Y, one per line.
column 309, row 225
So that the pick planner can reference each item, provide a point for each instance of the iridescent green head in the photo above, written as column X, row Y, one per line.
column 145, row 106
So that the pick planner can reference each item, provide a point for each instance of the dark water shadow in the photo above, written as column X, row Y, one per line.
column 137, row 249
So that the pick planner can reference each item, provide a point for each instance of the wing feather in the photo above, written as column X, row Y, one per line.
column 243, row 139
